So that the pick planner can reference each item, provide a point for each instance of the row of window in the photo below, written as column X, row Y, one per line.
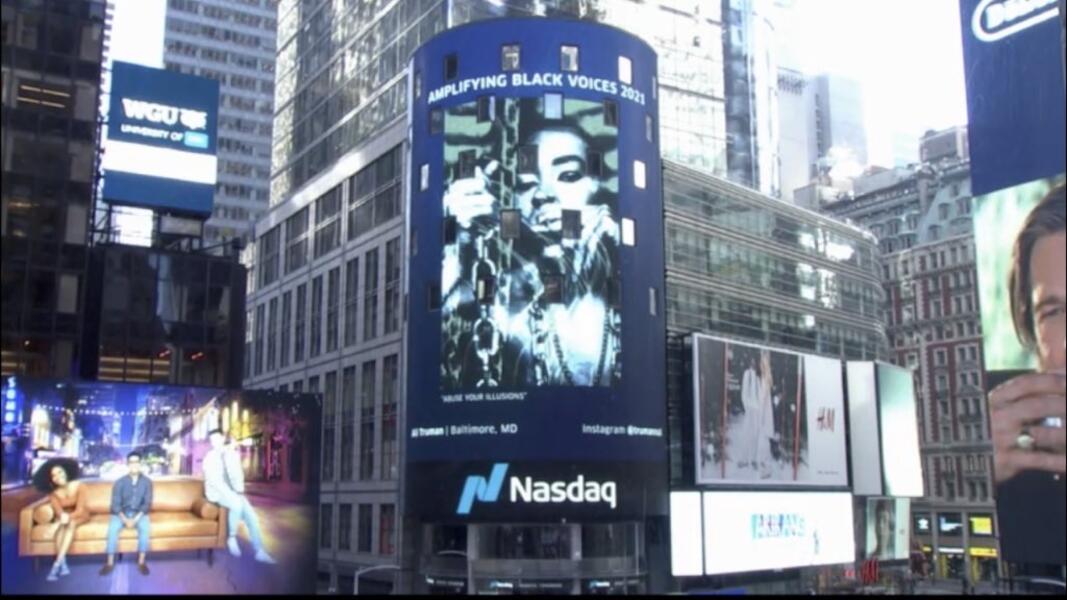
column 373, row 195
column 511, row 60
column 358, row 536
column 307, row 322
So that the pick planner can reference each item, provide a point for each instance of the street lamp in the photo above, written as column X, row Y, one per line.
column 359, row 573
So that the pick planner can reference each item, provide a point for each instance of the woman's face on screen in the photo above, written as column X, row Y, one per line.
column 561, row 181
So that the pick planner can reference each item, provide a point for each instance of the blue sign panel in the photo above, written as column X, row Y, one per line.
column 536, row 318
column 161, row 140
column 1015, row 92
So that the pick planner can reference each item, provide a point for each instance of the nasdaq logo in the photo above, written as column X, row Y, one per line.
column 995, row 20
column 527, row 490
column 477, row 487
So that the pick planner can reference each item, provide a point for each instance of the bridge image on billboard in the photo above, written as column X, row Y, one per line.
column 528, row 272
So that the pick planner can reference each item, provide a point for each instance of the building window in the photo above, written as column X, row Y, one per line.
column 568, row 58
column 424, row 177
column 259, row 338
column 367, row 418
column 390, row 393
column 417, row 84
column 628, row 235
column 333, row 302
column 272, row 334
column 392, row 285
column 486, row 108
column 527, row 159
column 386, row 543
column 639, row 174
column 344, row 538
column 370, row 295
column 366, row 520
column 571, row 224
column 451, row 67
column 296, row 228
column 553, row 106
column 315, row 343
column 625, row 70
column 437, row 121
column 287, row 323
column 269, row 254
column 351, row 300
column 348, row 414
column 326, row 526
column 468, row 161
column 594, row 163
column 649, row 127
column 509, row 57
column 611, row 113
column 300, row 322
column 510, row 224
column 328, row 222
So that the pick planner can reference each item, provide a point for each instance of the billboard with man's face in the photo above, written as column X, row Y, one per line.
column 536, row 349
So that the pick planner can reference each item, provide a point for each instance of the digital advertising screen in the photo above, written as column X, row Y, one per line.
column 161, row 144
column 864, row 439
column 888, row 528
column 1007, row 47
column 899, row 425
column 981, row 525
column 756, row 531
column 767, row 417
column 950, row 523
column 218, row 489
column 922, row 523
column 998, row 218
column 1022, row 344
column 536, row 356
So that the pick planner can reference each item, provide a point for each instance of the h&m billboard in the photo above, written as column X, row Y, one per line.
column 161, row 144
column 537, row 335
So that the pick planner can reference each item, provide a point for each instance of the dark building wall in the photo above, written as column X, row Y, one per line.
column 51, row 68
column 163, row 316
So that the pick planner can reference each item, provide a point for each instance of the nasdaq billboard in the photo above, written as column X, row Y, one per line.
column 537, row 334
column 1015, row 92
column 161, row 144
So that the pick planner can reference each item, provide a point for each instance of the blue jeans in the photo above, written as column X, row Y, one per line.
column 240, row 509
column 115, row 526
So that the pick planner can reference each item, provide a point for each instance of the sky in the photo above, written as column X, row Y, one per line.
column 907, row 56
column 137, row 32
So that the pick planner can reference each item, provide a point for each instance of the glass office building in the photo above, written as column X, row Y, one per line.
column 51, row 80
column 742, row 265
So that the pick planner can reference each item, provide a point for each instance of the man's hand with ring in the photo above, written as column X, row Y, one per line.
column 1016, row 409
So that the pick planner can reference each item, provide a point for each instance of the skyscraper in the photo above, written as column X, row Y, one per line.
column 232, row 42
column 51, row 76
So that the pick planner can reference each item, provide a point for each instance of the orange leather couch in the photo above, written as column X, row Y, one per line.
column 181, row 518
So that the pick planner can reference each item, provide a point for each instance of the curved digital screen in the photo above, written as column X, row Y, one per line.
column 536, row 329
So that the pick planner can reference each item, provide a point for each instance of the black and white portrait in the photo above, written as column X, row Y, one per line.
column 529, row 274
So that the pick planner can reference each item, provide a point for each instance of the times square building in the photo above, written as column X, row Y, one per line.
column 483, row 293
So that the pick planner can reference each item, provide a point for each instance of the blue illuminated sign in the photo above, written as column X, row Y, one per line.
column 160, row 150
column 537, row 330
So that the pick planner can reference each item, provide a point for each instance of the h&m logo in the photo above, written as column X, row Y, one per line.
column 826, row 419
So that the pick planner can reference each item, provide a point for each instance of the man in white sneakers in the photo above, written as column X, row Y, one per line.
column 224, row 484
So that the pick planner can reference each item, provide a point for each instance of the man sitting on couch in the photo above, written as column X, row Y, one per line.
column 224, row 484
column 131, row 499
